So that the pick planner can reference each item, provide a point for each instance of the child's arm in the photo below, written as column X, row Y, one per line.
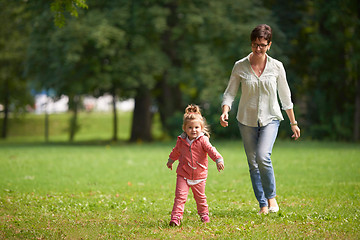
column 220, row 164
column 213, row 154
column 174, row 155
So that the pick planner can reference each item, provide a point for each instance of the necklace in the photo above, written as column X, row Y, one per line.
column 256, row 67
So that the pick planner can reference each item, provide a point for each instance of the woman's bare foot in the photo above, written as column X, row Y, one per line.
column 272, row 202
column 263, row 210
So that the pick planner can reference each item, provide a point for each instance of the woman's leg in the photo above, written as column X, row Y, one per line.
column 250, row 137
column 267, row 137
column 258, row 144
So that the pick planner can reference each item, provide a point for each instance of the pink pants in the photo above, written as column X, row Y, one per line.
column 181, row 194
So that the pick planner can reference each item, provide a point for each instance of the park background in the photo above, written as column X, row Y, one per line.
column 93, row 174
column 167, row 54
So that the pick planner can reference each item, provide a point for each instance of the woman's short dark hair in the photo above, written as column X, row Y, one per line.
column 261, row 31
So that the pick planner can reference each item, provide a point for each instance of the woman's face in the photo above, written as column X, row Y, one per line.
column 260, row 46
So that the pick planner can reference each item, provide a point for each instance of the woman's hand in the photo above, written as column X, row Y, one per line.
column 225, row 116
column 294, row 127
column 296, row 131
column 223, row 119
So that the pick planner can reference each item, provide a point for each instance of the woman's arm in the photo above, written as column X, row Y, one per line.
column 294, row 127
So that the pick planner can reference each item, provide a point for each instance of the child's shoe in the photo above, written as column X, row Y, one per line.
column 174, row 222
column 205, row 218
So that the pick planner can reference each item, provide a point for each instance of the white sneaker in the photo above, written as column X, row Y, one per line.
column 274, row 209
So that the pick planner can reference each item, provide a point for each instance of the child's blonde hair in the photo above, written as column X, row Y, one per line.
column 192, row 112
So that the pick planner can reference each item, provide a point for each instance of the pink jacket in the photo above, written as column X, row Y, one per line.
column 193, row 161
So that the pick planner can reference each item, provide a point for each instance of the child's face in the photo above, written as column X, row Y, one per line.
column 193, row 129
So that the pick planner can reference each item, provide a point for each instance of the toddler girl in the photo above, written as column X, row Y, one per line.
column 191, row 150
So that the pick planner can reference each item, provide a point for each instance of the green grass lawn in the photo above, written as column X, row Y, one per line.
column 123, row 191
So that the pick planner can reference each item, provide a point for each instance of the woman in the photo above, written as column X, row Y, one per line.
column 259, row 114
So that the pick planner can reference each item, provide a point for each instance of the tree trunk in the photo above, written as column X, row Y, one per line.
column 46, row 126
column 165, row 101
column 115, row 126
column 357, row 113
column 73, row 121
column 169, row 101
column 142, row 117
column 46, row 118
column 6, row 109
column 170, row 97
column 357, row 95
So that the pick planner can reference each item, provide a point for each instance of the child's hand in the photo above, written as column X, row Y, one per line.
column 220, row 166
column 169, row 165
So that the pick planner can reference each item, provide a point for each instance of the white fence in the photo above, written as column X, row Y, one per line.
column 44, row 104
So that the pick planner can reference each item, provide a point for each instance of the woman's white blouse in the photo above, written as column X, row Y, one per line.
column 259, row 104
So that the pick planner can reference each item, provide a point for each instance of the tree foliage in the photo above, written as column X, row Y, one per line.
column 167, row 53
column 322, row 64
column 14, row 91
column 328, row 68
column 62, row 7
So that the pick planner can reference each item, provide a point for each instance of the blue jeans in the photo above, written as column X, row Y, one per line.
column 258, row 144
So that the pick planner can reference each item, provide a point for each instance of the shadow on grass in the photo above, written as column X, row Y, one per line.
column 79, row 143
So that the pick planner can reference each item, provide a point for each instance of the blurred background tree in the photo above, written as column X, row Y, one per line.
column 323, row 66
column 61, row 8
column 167, row 53
column 332, row 81
column 14, row 91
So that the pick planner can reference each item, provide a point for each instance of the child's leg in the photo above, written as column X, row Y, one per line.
column 200, row 198
column 181, row 193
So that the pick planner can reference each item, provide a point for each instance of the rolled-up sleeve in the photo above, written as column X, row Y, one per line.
column 232, row 88
column 283, row 89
